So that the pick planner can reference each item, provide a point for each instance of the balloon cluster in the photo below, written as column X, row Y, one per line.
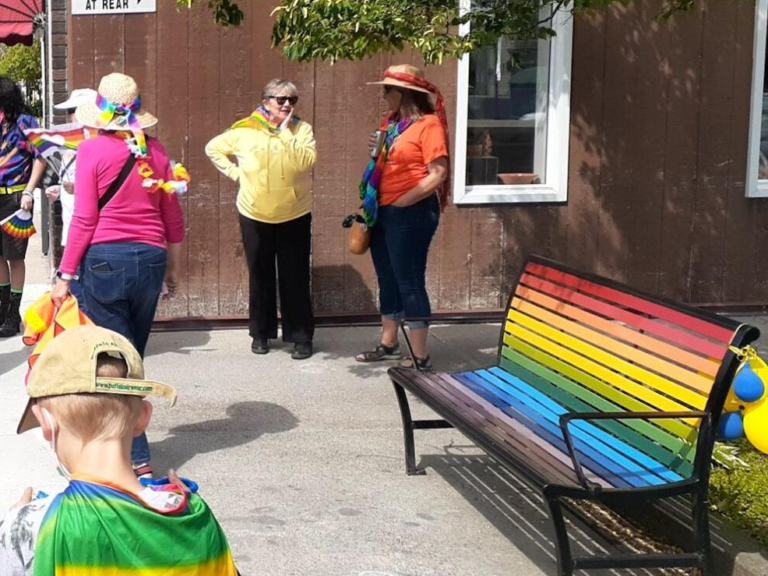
column 746, row 407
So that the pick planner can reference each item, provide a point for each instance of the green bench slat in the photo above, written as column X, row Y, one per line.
column 570, row 396
column 547, row 367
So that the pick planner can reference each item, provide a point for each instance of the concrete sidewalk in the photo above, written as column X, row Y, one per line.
column 303, row 461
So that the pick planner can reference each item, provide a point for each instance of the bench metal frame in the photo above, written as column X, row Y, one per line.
column 697, row 486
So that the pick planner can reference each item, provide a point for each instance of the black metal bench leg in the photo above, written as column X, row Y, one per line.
column 562, row 545
column 701, row 536
column 408, row 427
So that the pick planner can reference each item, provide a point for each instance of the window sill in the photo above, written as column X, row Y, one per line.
column 758, row 191
column 512, row 195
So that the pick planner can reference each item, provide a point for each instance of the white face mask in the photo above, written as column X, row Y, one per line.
column 52, row 445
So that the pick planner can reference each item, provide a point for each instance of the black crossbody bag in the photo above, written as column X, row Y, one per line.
column 118, row 182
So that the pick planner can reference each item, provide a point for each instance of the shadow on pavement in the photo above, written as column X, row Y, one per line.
column 515, row 509
column 177, row 342
column 245, row 422
column 451, row 349
column 11, row 360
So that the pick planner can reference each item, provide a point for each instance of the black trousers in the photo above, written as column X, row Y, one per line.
column 288, row 244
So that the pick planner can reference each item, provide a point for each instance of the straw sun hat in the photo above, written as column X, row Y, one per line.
column 403, row 69
column 115, row 90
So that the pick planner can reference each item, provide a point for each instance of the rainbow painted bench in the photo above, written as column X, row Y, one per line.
column 600, row 393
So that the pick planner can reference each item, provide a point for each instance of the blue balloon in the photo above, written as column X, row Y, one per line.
column 748, row 386
column 731, row 426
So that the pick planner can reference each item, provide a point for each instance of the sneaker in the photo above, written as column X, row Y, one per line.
column 260, row 346
column 302, row 350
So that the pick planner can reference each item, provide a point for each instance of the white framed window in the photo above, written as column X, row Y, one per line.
column 757, row 161
column 513, row 119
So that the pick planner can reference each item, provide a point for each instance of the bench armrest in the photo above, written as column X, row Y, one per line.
column 565, row 419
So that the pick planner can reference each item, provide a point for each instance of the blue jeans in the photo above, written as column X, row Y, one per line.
column 399, row 245
column 120, row 286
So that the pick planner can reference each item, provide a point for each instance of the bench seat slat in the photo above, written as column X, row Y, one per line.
column 534, row 420
column 624, row 299
column 689, row 360
column 510, row 434
column 642, row 377
column 685, row 339
column 677, row 428
column 617, row 381
column 537, row 425
column 639, row 469
column 697, row 383
column 522, row 439
column 615, row 442
column 571, row 396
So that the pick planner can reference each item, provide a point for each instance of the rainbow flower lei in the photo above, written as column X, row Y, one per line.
column 178, row 185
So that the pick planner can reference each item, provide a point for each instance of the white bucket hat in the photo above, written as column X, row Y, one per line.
column 78, row 97
column 117, row 106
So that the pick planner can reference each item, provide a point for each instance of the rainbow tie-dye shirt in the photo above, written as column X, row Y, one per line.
column 94, row 528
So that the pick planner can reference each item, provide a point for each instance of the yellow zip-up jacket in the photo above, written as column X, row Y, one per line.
column 273, row 170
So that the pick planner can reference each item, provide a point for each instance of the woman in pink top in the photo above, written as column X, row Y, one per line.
column 126, row 245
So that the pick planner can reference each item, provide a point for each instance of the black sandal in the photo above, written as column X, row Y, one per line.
column 381, row 352
column 422, row 364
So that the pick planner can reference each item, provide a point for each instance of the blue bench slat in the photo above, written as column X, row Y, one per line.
column 584, row 441
column 625, row 449
column 541, row 427
column 538, row 423
column 585, row 448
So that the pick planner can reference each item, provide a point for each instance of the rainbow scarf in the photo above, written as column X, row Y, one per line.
column 261, row 119
column 126, row 115
column 94, row 528
column 369, row 187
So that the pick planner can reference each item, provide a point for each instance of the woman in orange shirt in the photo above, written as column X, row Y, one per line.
column 403, row 191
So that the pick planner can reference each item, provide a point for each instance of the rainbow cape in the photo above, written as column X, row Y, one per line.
column 19, row 224
column 51, row 140
column 94, row 528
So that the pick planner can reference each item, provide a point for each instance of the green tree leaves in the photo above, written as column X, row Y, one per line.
column 355, row 29
column 22, row 64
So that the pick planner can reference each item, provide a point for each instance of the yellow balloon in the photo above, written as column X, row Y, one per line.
column 761, row 370
column 732, row 404
column 756, row 424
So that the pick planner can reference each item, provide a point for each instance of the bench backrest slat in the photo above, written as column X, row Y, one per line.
column 684, row 320
column 594, row 345
column 673, row 335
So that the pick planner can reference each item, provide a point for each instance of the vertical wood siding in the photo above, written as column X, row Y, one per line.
column 658, row 140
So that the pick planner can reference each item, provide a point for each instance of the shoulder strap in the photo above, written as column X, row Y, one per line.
column 118, row 182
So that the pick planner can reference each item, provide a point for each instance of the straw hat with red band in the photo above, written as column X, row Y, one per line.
column 408, row 77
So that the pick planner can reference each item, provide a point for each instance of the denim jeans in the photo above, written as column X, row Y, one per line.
column 399, row 245
column 120, row 286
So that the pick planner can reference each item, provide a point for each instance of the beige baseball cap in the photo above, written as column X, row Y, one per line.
column 68, row 366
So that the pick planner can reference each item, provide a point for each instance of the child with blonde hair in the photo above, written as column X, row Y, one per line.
column 87, row 392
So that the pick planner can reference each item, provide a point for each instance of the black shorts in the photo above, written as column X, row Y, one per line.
column 11, row 248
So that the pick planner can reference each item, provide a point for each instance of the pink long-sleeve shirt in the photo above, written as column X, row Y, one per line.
column 133, row 214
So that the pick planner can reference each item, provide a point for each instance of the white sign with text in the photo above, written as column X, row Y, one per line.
column 91, row 7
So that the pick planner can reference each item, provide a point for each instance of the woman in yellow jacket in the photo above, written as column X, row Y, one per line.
column 275, row 152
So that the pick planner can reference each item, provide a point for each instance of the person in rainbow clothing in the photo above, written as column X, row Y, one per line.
column 87, row 391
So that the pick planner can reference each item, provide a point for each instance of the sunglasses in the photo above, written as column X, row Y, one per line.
column 283, row 99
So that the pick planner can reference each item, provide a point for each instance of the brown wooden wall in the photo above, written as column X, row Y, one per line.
column 659, row 128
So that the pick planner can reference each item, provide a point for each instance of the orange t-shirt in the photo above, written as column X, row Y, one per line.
column 423, row 142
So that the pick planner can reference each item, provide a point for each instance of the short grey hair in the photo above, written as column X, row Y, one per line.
column 279, row 85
